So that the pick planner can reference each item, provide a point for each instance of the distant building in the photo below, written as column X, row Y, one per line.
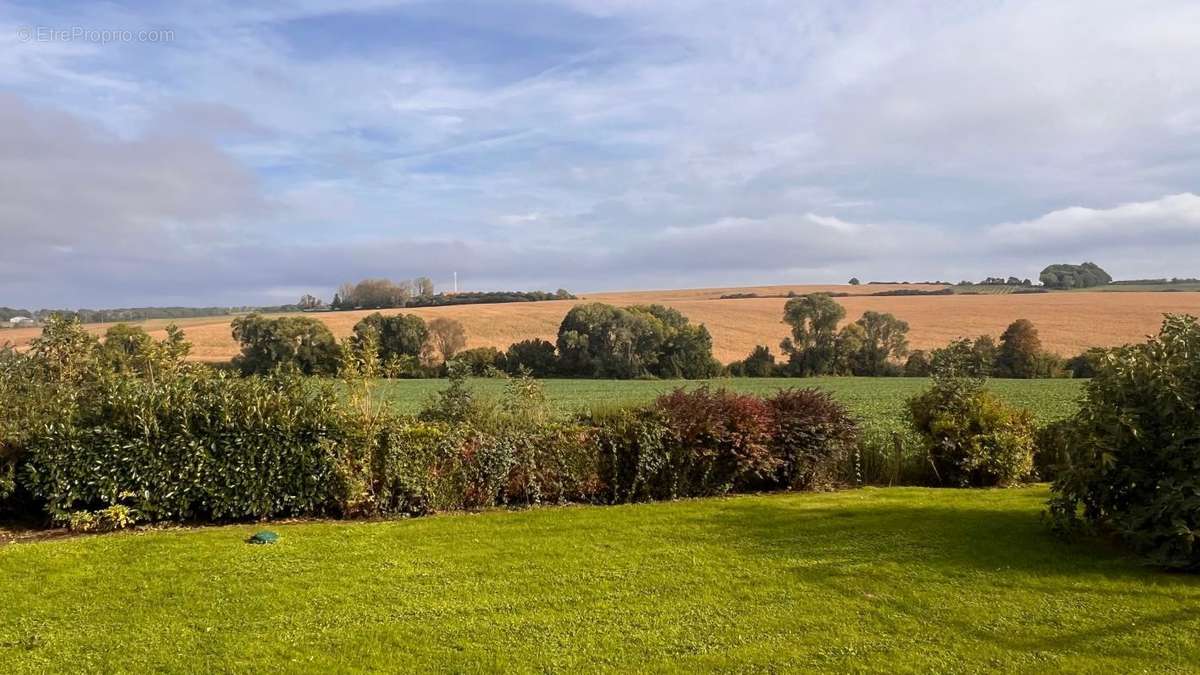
column 17, row 321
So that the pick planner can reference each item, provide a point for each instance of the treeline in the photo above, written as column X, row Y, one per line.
column 1156, row 282
column 601, row 341
column 420, row 292
column 138, row 313
column 594, row 340
column 876, row 345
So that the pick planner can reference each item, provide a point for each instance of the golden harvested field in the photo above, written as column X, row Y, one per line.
column 1068, row 322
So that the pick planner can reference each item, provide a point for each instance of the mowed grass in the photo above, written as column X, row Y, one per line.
column 879, row 402
column 885, row 580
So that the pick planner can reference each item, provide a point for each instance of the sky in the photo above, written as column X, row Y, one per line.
column 235, row 153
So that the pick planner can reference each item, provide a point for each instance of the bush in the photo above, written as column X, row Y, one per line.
column 918, row 364
column 535, row 357
column 101, row 448
column 760, row 363
column 1085, row 365
column 813, row 435
column 1134, row 449
column 632, row 458
column 195, row 445
column 481, row 361
column 1050, row 449
column 717, row 441
column 972, row 437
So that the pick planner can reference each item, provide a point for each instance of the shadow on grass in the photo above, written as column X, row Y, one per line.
column 906, row 551
column 940, row 535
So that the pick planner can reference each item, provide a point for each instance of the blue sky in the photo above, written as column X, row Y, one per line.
column 258, row 152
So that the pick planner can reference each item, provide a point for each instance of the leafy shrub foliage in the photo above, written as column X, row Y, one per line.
column 972, row 437
column 1064, row 275
column 813, row 436
column 598, row 340
column 399, row 340
column 534, row 357
column 99, row 443
column 295, row 341
column 759, row 363
column 1133, row 450
column 716, row 441
column 481, row 361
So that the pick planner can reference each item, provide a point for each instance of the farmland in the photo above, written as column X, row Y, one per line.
column 895, row 580
column 878, row 402
column 1068, row 322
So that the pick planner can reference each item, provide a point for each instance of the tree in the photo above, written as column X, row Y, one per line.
column 295, row 341
column 598, row 340
column 812, row 348
column 345, row 293
column 850, row 341
column 854, row 281
column 1086, row 364
column 759, row 363
column 423, row 286
column 480, row 361
column 1086, row 275
column 884, row 337
column 537, row 357
column 918, row 364
column 1019, row 351
column 310, row 302
column 123, row 344
column 447, row 336
column 984, row 351
column 685, row 351
column 397, row 336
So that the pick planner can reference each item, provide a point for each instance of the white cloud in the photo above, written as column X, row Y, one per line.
column 713, row 142
column 1167, row 222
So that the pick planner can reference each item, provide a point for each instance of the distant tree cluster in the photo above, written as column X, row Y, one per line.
column 999, row 281
column 598, row 340
column 137, row 313
column 420, row 292
column 1085, row 275
column 401, row 345
column 1019, row 354
column 7, row 313
column 869, row 346
column 380, row 293
column 488, row 298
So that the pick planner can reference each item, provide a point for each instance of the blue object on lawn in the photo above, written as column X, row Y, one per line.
column 264, row 537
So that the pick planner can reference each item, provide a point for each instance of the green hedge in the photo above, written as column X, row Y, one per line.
column 1131, row 461
column 96, row 446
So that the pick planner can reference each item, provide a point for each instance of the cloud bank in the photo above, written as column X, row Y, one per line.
column 270, row 151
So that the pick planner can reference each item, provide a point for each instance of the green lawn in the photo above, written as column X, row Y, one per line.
column 879, row 401
column 900, row 579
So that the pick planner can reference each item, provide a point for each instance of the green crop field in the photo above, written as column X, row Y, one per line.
column 871, row 580
column 877, row 401
column 985, row 289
